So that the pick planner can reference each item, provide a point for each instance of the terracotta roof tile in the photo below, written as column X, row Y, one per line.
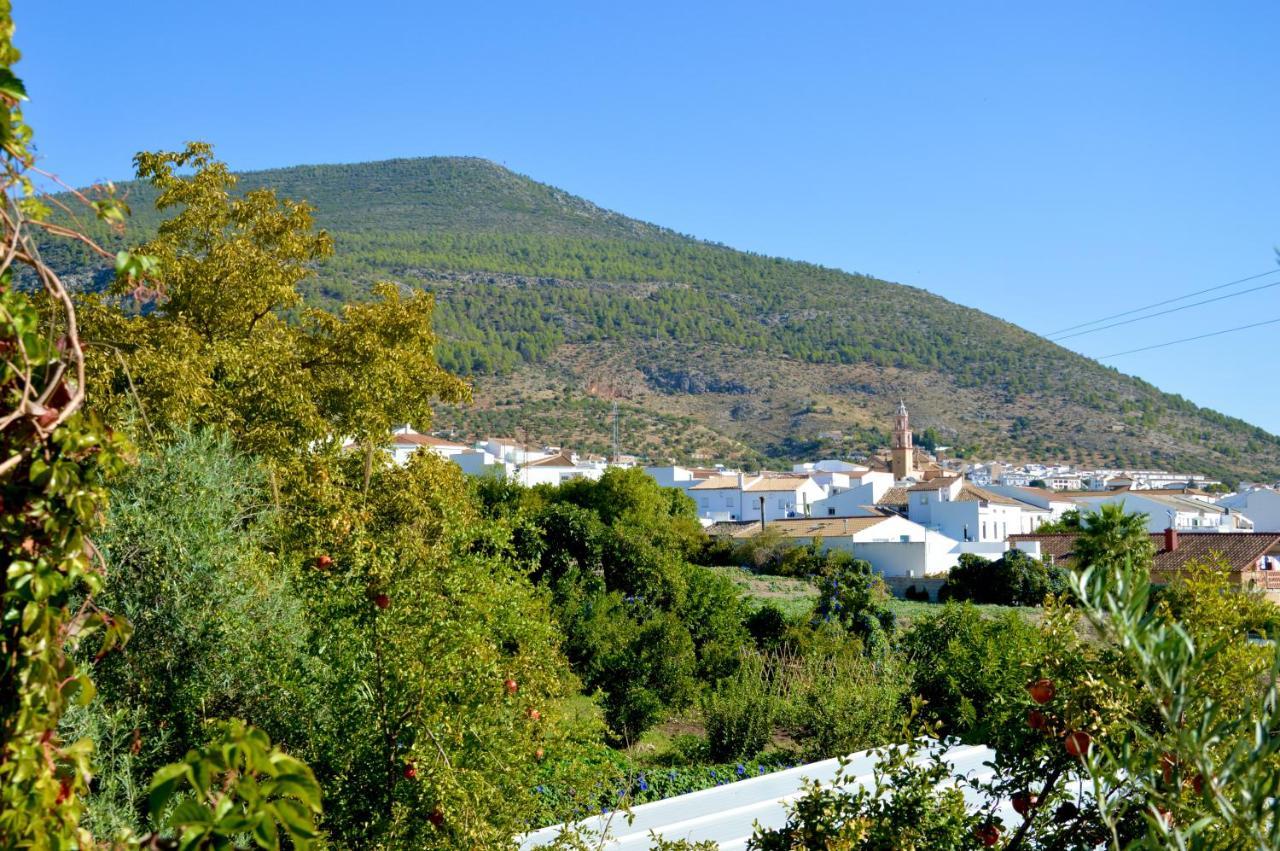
column 799, row 527
column 935, row 484
column 1238, row 550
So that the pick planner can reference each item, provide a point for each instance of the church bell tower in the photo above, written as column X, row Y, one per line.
column 904, row 455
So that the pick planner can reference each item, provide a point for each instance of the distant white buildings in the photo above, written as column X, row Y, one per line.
column 1068, row 478
column 501, row 458
column 1172, row 511
column 911, row 521
column 893, row 545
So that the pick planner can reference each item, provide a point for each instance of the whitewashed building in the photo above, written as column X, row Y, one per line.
column 1259, row 504
column 968, row 513
column 893, row 545
column 557, row 469
column 742, row 496
column 405, row 441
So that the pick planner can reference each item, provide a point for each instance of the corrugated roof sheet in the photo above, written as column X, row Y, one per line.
column 728, row 814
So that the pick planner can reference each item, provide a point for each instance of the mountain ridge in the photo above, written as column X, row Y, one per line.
column 545, row 295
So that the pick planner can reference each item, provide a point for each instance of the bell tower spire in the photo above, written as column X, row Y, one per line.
column 904, row 455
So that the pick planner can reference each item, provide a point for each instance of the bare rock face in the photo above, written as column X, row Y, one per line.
column 691, row 381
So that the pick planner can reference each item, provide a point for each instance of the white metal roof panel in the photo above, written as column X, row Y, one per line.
column 728, row 814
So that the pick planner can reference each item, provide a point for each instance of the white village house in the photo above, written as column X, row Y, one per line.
column 743, row 496
column 970, row 514
column 893, row 545
column 1259, row 504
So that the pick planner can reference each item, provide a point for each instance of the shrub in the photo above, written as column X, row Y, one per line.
column 1015, row 579
column 767, row 626
column 919, row 595
column 217, row 623
column 843, row 702
column 854, row 596
column 642, row 660
column 740, row 711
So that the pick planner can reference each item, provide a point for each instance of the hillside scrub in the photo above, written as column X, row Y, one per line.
column 523, row 271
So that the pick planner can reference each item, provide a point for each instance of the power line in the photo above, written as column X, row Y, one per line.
column 1190, row 339
column 1163, row 303
column 1170, row 310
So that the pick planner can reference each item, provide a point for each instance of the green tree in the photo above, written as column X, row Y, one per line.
column 1068, row 523
column 216, row 345
column 54, row 462
column 1014, row 579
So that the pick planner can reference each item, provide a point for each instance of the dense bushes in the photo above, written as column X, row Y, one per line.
column 1015, row 579
column 830, row 700
column 966, row 668
column 641, row 623
column 391, row 655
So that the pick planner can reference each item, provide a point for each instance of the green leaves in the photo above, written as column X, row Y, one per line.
column 237, row 785
column 10, row 86
column 131, row 267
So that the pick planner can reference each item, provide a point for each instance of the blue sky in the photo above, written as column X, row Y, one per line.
column 1047, row 163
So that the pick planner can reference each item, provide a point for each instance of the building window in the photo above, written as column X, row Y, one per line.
column 831, row 512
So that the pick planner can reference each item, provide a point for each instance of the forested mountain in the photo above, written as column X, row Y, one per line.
column 556, row 308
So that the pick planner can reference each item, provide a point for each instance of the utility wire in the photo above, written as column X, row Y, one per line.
column 1163, row 303
column 1189, row 339
column 1170, row 310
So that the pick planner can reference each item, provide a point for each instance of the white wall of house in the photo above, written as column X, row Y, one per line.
column 1261, row 505
column 880, row 482
column 780, row 504
column 532, row 475
column 672, row 476
column 513, row 452
column 718, row 504
column 896, row 547
column 913, row 559
column 846, row 503
column 477, row 462
column 968, row 519
column 1045, row 501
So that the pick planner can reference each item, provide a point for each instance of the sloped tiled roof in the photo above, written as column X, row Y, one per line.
column 935, row 484
column 970, row 492
column 799, row 527
column 415, row 439
column 776, row 483
column 1238, row 550
column 716, row 483
column 757, row 484
column 560, row 459
column 893, row 498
